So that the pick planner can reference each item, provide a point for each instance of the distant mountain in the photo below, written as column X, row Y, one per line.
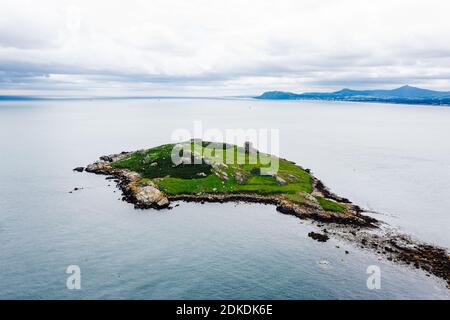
column 405, row 94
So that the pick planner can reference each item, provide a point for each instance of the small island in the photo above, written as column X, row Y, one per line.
column 219, row 172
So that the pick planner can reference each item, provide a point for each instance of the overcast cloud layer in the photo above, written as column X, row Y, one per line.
column 221, row 47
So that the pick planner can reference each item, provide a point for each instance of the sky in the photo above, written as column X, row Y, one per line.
column 220, row 47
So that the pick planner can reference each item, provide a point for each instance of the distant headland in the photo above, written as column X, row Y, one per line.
column 403, row 95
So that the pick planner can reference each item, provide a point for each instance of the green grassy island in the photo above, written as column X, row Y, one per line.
column 200, row 171
column 218, row 172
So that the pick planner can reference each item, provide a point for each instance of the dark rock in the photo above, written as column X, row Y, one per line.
column 79, row 169
column 106, row 158
column 318, row 236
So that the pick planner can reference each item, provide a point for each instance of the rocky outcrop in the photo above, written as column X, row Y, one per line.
column 241, row 176
column 99, row 167
column 309, row 200
column 318, row 236
column 149, row 195
column 322, row 191
column 219, row 170
column 142, row 196
column 309, row 210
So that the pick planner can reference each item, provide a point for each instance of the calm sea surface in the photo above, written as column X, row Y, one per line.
column 391, row 159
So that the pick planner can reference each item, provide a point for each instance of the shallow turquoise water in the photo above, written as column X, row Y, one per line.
column 211, row 251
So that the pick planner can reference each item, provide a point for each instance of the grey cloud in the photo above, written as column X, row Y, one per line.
column 243, row 43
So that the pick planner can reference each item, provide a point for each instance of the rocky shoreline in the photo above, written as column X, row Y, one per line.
column 351, row 225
